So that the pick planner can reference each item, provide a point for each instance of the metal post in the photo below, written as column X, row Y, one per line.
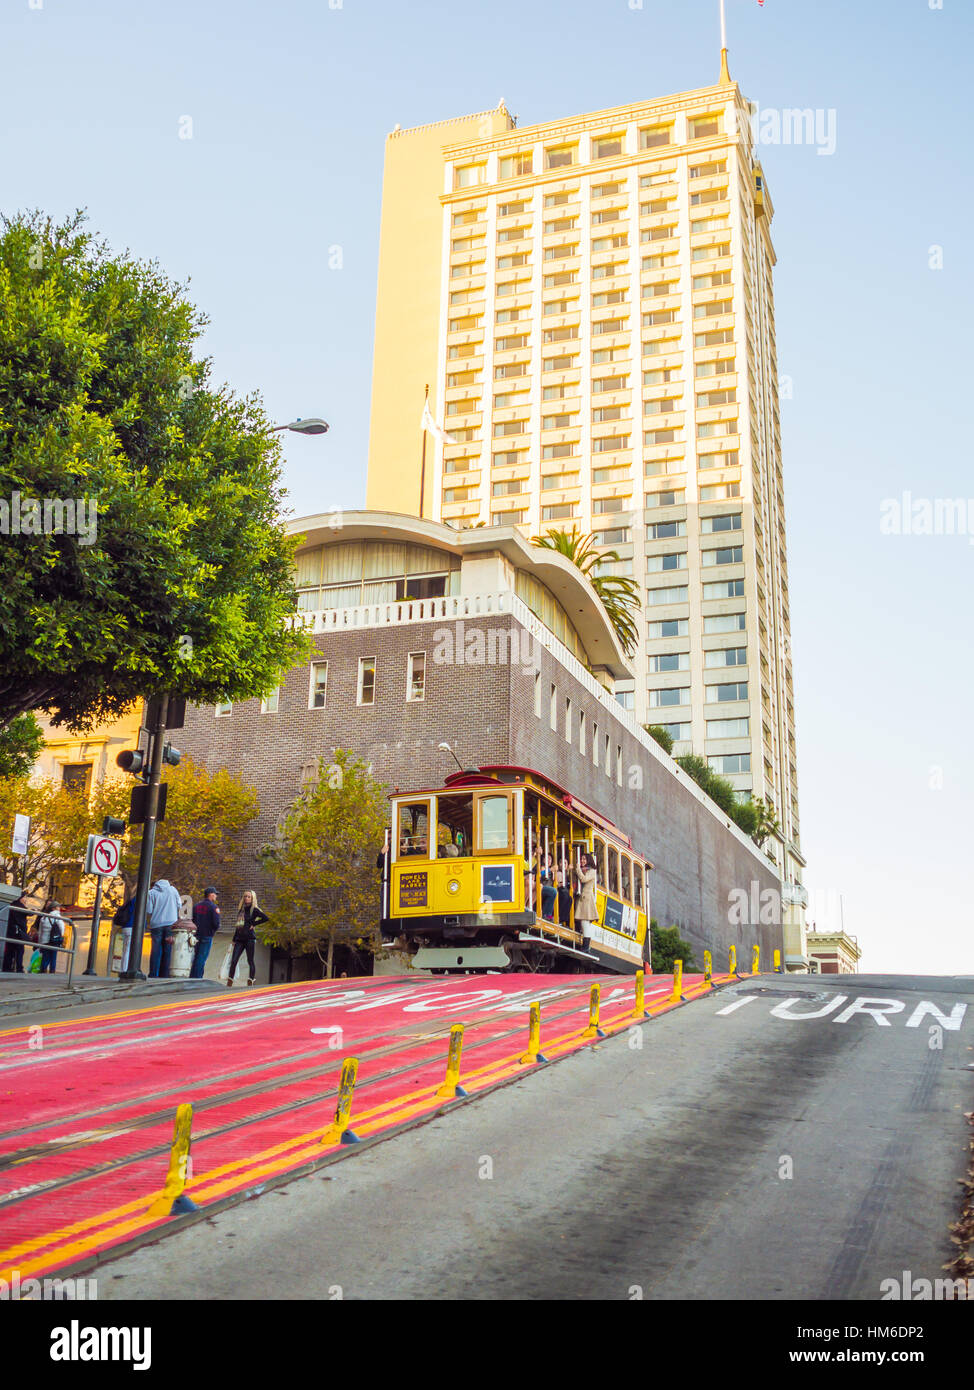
column 148, row 845
column 386, row 853
column 95, row 924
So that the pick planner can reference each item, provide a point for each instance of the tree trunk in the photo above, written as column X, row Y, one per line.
column 331, row 956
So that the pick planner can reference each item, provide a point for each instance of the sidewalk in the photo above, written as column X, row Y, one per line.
column 28, row 993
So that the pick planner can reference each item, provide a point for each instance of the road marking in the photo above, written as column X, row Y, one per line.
column 729, row 1008
column 951, row 1021
column 784, row 1009
column 876, row 1008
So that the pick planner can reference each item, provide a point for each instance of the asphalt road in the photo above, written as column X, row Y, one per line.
column 738, row 1153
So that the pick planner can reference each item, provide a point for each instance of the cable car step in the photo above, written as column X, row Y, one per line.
column 554, row 945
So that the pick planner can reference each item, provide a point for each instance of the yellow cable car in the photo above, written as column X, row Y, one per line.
column 494, row 871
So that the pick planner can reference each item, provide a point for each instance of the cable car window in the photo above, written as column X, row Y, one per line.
column 454, row 826
column 600, row 861
column 625, row 867
column 495, row 831
column 637, row 883
column 614, row 871
column 414, row 829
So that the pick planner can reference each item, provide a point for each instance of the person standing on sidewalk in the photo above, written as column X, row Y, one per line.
column 50, row 932
column 249, row 917
column 206, row 920
column 13, row 950
column 161, row 915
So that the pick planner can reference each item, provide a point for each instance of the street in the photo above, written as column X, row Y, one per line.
column 780, row 1139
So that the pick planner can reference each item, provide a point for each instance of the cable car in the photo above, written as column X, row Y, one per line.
column 483, row 874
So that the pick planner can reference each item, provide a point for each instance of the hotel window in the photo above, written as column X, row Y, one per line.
column 416, row 676
column 318, row 692
column 607, row 271
column 508, row 263
column 558, row 200
column 556, row 422
column 557, row 451
column 605, row 146
column 730, row 764
column 562, row 277
column 510, row 459
column 560, row 512
column 560, row 224
column 510, row 369
column 731, row 459
column 559, row 156
column 665, row 530
column 553, row 708
column 709, row 253
column 706, row 399
column 728, row 555
column 656, row 564
column 716, row 429
column 615, row 535
column 270, row 703
column 728, row 728
column 700, row 127
column 731, row 522
column 510, row 209
column 610, row 445
column 366, row 681
column 608, row 756
column 568, row 719
column 719, row 694
column 720, row 366
column 560, row 335
column 653, row 135
column 609, row 243
column 725, row 622
column 513, row 166
column 537, row 694
column 619, row 764
column 626, row 698
column 672, row 497
column 709, row 195
column 599, row 301
column 223, row 707
column 558, row 364
column 581, row 732
column 604, row 413
column 679, row 733
column 595, row 744
column 702, row 171
column 555, row 393
column 508, row 518
column 463, row 219
column 727, row 588
column 720, row 491
column 709, row 224
column 727, row 656
column 506, row 489
column 653, row 437
column 671, row 627
column 457, row 494
column 550, row 481
column 674, row 695
column 669, row 661
column 721, row 335
column 468, row 175
column 712, row 311
column 503, row 427
column 656, row 597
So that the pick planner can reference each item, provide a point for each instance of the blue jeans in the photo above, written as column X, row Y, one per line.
column 48, row 961
column 161, row 951
column 200, row 957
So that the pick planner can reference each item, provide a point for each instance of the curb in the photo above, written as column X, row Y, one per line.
column 93, row 994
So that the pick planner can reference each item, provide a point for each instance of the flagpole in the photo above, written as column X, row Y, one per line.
column 422, row 471
column 724, row 69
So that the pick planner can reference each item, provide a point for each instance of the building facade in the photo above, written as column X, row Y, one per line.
column 833, row 953
column 425, row 635
column 590, row 301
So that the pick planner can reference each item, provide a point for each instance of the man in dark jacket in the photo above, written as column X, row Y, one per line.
column 13, row 954
column 206, row 920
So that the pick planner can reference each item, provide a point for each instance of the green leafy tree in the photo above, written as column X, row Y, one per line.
column 60, row 823
column 323, row 863
column 662, row 736
column 618, row 594
column 198, row 843
column 717, row 788
column 21, row 742
column 176, row 574
column 668, row 945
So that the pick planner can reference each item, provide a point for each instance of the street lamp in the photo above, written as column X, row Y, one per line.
column 445, row 748
column 313, row 425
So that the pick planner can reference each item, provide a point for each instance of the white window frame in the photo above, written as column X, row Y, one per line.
column 313, row 688
column 223, row 709
column 412, row 699
column 271, row 703
column 366, row 704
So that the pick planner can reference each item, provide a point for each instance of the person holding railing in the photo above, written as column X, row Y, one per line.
column 17, row 934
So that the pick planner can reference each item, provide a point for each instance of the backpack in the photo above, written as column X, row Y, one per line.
column 56, row 937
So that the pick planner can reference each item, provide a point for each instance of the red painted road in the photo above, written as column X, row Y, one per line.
column 87, row 1107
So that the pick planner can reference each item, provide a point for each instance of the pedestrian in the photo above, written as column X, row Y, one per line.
column 123, row 921
column 17, row 934
column 549, row 893
column 161, row 915
column 249, row 917
column 586, row 903
column 50, row 933
column 206, row 921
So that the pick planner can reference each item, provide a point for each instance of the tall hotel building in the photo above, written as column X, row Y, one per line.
column 590, row 302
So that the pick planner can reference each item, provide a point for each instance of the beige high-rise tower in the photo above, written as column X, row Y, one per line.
column 590, row 302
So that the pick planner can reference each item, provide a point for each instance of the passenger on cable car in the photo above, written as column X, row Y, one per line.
column 549, row 893
column 563, row 879
column 586, row 906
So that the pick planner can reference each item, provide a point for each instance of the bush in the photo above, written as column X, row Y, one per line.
column 668, row 946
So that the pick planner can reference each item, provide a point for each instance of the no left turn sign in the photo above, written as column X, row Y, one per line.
column 102, row 856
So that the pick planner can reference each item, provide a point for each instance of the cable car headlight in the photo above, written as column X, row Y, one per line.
column 453, row 885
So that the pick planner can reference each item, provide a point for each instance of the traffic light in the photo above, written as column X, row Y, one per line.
column 112, row 826
column 133, row 760
column 171, row 755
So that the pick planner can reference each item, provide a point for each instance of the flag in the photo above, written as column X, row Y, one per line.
column 437, row 431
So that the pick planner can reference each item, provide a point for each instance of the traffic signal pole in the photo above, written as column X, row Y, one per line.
column 158, row 738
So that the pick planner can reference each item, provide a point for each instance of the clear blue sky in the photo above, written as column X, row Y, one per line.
column 290, row 104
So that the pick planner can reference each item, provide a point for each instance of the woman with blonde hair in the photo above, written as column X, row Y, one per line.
column 249, row 917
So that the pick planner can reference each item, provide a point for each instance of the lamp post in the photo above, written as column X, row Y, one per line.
column 313, row 425
column 445, row 748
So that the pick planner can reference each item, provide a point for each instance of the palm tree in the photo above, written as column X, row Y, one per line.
column 618, row 594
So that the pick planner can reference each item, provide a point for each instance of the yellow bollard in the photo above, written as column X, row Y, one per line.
column 593, row 1030
column 451, row 1087
column 338, row 1131
column 172, row 1199
column 639, row 1008
column 677, row 995
column 732, row 961
column 534, row 1053
column 777, row 962
column 755, row 960
column 708, row 970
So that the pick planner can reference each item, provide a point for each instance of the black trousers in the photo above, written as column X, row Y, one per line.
column 238, row 949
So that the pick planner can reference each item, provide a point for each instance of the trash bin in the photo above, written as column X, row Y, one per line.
column 183, row 945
